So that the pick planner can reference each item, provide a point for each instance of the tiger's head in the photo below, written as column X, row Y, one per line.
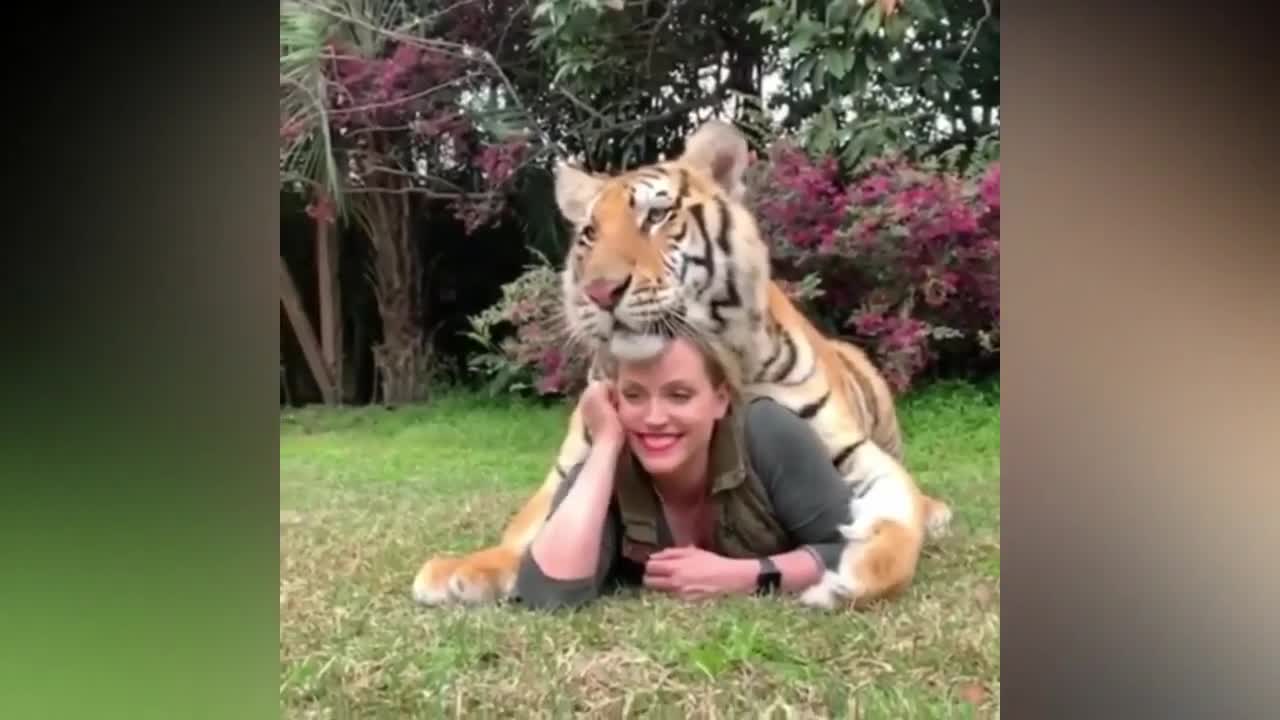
column 662, row 246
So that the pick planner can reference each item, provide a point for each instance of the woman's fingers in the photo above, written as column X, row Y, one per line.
column 664, row 583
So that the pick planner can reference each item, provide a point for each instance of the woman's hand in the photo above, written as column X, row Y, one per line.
column 693, row 573
column 599, row 407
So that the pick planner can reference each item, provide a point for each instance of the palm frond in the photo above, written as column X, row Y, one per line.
column 306, row 27
column 308, row 157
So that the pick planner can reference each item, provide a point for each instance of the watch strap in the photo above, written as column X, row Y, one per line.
column 768, row 579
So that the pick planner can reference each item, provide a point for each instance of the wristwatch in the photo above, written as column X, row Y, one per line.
column 768, row 579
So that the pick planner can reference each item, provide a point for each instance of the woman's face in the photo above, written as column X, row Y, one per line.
column 669, row 408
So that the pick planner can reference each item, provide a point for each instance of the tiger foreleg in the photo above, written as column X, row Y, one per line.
column 489, row 575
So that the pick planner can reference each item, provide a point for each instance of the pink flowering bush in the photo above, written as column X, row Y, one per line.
column 393, row 114
column 908, row 255
column 524, row 338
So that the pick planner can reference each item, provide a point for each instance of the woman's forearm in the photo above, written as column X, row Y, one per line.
column 568, row 546
column 799, row 569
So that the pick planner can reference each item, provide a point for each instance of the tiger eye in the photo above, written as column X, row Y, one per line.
column 657, row 215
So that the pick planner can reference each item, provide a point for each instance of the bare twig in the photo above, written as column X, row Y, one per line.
column 502, row 36
column 976, row 29
column 427, row 20
column 468, row 52
column 422, row 192
column 462, row 50
column 288, row 177
column 515, row 98
column 682, row 108
column 653, row 38
column 425, row 177
column 400, row 100
column 576, row 101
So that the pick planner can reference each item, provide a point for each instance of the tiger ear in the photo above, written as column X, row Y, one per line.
column 575, row 190
column 719, row 150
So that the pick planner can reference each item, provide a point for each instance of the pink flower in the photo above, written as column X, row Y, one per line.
column 405, row 57
column 321, row 209
column 550, row 383
column 874, row 188
column 989, row 186
column 869, row 324
column 960, row 219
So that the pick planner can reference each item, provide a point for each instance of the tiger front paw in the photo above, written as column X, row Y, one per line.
column 431, row 584
column 484, row 577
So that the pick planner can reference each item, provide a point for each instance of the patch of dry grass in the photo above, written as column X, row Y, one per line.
column 366, row 495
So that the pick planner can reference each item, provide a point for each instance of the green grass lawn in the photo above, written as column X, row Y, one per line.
column 366, row 495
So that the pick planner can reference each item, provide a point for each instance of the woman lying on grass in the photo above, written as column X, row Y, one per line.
column 687, row 489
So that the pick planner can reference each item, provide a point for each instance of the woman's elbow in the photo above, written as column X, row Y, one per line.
column 536, row 591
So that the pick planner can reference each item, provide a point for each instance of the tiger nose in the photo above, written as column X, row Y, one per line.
column 605, row 292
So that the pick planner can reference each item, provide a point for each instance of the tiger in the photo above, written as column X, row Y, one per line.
column 671, row 243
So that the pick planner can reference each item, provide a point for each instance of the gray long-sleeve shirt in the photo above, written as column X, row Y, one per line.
column 808, row 495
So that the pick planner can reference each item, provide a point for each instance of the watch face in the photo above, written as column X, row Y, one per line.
column 769, row 577
column 768, row 581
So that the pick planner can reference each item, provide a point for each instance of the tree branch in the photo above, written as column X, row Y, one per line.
column 305, row 334
column 653, row 38
column 574, row 99
column 673, row 112
column 397, row 101
column 468, row 52
column 976, row 29
column 421, row 192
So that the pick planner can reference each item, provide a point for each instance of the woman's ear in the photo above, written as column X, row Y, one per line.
column 722, row 401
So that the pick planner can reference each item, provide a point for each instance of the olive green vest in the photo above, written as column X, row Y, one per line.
column 745, row 525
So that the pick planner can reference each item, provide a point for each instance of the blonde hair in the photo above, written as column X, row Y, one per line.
column 720, row 364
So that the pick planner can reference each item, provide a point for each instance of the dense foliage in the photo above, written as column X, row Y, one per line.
column 908, row 254
column 865, row 78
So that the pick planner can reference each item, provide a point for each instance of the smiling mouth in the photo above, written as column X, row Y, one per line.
column 657, row 442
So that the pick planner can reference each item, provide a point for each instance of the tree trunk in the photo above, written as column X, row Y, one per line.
column 401, row 360
column 330, row 301
column 296, row 311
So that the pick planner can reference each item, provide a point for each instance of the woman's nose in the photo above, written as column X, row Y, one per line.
column 655, row 414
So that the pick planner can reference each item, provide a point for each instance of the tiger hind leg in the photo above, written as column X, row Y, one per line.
column 878, row 563
column 937, row 518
